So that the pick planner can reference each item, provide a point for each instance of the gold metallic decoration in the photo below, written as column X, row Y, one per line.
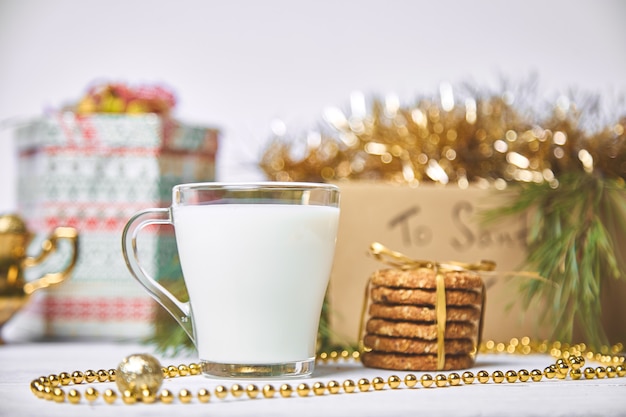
column 185, row 396
column 319, row 388
column 269, row 391
column 393, row 381
column 204, row 396
column 334, row 387
column 456, row 139
column 15, row 239
column 303, row 389
column 52, row 387
column 137, row 373
column 286, row 390
column 440, row 308
column 252, row 391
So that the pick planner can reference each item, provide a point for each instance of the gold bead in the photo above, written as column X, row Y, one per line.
column 37, row 388
column 148, row 396
column 394, row 381
column 172, row 371
column 103, row 376
column 73, row 396
column 128, row 397
column 589, row 373
column 549, row 372
column 252, row 391
column 334, row 387
column 345, row 354
column 78, row 377
column 112, row 375
column 90, row 375
column 601, row 372
column 194, row 369
column 511, row 376
column 611, row 372
column 286, row 390
column 489, row 345
column 323, row 356
column 139, row 372
column 364, row 384
column 236, row 390
column 356, row 355
column 319, row 388
column 58, row 395
column 221, row 392
column 575, row 373
column 349, row 386
column 54, row 380
column 410, row 380
column 204, row 396
column 468, row 377
column 65, row 378
column 47, row 393
column 43, row 380
column 91, row 394
column 574, row 362
column 483, row 377
column 303, row 389
column 109, row 396
column 269, row 391
column 185, row 396
column 441, row 380
column 497, row 376
column 166, row 396
column 334, row 355
column 562, row 368
column 621, row 370
column 183, row 370
column 426, row 380
column 454, row 379
column 378, row 383
column 536, row 375
column 523, row 375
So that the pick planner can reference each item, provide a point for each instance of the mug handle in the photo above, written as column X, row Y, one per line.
column 47, row 247
column 181, row 311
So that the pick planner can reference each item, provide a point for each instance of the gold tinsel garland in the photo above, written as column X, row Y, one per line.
column 482, row 139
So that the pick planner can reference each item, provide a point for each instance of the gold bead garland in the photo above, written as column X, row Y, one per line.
column 570, row 362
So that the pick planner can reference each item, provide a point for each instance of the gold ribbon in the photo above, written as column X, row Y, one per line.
column 440, row 308
column 403, row 262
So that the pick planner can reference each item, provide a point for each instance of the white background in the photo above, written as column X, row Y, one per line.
column 239, row 65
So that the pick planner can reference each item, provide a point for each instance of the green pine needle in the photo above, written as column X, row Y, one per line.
column 573, row 243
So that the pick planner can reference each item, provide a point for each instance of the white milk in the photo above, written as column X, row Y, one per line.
column 256, row 275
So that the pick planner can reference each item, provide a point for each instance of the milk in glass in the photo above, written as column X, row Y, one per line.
column 256, row 275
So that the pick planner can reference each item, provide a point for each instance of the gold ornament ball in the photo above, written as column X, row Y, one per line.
column 139, row 372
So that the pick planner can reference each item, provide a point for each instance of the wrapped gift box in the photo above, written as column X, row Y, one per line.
column 427, row 222
column 93, row 173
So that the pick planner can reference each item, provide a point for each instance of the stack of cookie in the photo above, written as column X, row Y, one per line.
column 402, row 332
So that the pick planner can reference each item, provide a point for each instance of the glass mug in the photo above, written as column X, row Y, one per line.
column 256, row 261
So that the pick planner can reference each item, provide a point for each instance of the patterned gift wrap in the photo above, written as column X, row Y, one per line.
column 93, row 173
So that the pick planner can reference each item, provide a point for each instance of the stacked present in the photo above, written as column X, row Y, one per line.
column 92, row 167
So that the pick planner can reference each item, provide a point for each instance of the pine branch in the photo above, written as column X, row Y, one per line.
column 573, row 240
